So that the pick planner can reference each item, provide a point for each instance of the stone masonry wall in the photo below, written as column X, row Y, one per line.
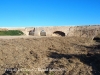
column 81, row 31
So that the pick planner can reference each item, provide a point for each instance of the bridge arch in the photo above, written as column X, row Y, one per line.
column 59, row 33
column 31, row 32
column 42, row 33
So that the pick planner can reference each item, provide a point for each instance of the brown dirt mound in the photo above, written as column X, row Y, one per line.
column 49, row 56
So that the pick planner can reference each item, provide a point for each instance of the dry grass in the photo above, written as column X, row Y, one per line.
column 74, row 55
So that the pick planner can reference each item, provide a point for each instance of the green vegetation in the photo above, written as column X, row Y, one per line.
column 11, row 33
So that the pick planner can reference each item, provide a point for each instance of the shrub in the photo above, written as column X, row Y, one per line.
column 11, row 32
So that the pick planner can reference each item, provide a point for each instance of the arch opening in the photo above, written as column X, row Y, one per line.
column 31, row 32
column 59, row 33
column 42, row 33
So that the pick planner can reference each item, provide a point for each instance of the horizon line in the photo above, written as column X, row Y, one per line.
column 54, row 26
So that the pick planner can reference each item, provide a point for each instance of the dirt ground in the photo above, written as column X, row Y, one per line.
column 49, row 56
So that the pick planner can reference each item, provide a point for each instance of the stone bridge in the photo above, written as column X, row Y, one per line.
column 65, row 30
column 82, row 31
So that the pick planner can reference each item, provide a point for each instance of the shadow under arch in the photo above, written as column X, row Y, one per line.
column 31, row 32
column 59, row 33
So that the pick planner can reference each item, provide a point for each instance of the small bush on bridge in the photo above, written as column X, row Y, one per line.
column 11, row 33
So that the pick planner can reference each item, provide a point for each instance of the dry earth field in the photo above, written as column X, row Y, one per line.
column 49, row 56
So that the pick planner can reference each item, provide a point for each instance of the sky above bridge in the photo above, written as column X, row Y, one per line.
column 30, row 13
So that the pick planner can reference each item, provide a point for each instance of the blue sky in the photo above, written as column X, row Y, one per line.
column 28, row 13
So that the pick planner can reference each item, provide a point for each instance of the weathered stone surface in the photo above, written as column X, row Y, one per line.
column 81, row 31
